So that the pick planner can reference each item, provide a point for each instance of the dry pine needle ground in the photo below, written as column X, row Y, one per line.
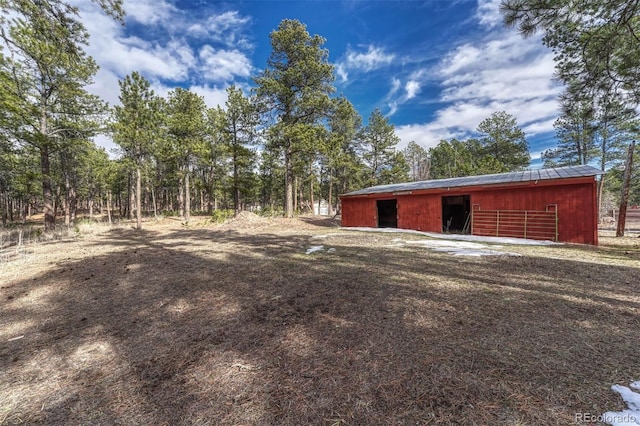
column 235, row 324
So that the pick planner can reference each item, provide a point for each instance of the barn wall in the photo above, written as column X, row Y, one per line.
column 577, row 214
column 575, row 198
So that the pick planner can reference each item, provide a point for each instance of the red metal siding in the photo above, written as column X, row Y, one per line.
column 575, row 200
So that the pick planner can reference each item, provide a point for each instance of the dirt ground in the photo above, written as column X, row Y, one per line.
column 236, row 324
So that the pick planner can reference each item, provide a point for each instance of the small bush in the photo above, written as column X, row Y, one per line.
column 219, row 216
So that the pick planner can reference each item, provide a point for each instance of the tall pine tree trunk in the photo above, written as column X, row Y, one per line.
column 45, row 167
column 154, row 202
column 73, row 208
column 70, row 202
column 138, row 198
column 109, row 206
column 67, row 201
column 236, row 183
column 187, row 198
column 295, row 194
column 181, row 197
column 288, row 183
column 131, row 203
column 47, row 189
column 311, row 198
column 626, row 184
column 330, row 208
column 4, row 206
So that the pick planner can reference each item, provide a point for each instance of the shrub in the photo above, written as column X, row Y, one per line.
column 219, row 216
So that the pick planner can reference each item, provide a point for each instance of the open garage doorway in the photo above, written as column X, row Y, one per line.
column 456, row 214
column 387, row 213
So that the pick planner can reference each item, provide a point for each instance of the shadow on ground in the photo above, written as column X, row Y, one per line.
column 211, row 327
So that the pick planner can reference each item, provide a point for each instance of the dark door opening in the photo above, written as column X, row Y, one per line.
column 387, row 213
column 456, row 214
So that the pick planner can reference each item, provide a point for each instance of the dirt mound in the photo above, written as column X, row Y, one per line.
column 246, row 220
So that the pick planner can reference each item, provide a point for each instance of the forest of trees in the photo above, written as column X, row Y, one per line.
column 279, row 149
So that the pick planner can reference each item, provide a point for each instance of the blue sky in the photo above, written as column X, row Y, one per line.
column 435, row 68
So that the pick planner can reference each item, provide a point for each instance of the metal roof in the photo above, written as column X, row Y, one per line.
column 500, row 178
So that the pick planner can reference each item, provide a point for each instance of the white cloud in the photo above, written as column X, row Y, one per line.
column 461, row 119
column 126, row 55
column 342, row 72
column 106, row 86
column 149, row 12
column 488, row 13
column 395, row 86
column 223, row 65
column 460, row 59
column 121, row 55
column 172, row 59
column 412, row 88
column 426, row 135
column 213, row 96
column 538, row 127
column 393, row 108
column 374, row 58
column 227, row 28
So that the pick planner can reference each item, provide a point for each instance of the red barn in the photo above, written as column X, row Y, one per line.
column 549, row 204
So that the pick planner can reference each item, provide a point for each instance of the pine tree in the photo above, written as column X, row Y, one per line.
column 504, row 141
column 418, row 160
column 136, row 127
column 379, row 141
column 295, row 89
column 345, row 169
column 43, row 96
column 186, row 127
column 238, row 127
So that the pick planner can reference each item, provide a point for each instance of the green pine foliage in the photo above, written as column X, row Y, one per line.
column 378, row 143
column 502, row 148
column 294, row 91
column 279, row 148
